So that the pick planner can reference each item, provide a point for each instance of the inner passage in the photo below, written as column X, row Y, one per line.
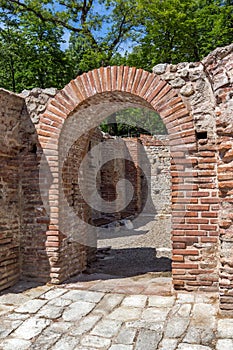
column 134, row 235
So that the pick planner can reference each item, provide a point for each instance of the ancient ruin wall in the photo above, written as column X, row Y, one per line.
column 195, row 103
column 219, row 68
column 195, row 197
column 157, row 94
column 10, row 187
column 145, row 162
column 158, row 154
column 35, row 218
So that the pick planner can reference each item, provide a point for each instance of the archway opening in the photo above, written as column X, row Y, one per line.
column 136, row 240
column 75, row 113
column 133, row 217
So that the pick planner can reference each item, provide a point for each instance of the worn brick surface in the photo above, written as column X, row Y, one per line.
column 194, row 101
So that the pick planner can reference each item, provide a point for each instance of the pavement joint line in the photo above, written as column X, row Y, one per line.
column 42, row 329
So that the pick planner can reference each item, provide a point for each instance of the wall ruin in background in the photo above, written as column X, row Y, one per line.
column 195, row 102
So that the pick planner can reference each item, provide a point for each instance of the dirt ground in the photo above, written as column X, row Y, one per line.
column 131, row 250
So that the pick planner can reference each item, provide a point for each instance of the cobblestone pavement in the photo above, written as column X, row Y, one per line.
column 116, row 314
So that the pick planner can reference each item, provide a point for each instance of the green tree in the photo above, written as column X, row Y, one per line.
column 181, row 30
column 30, row 52
column 99, row 31
column 133, row 122
column 107, row 32
column 97, row 28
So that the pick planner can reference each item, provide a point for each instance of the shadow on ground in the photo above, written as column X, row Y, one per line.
column 112, row 264
column 123, row 263
column 22, row 285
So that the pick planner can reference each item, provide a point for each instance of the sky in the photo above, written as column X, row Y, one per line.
column 99, row 8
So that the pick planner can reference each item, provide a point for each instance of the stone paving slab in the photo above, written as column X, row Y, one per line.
column 65, row 318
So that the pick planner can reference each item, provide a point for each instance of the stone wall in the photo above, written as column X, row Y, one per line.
column 110, row 174
column 131, row 158
column 10, row 187
column 207, row 89
column 219, row 67
column 195, row 194
column 158, row 155
column 194, row 101
column 24, row 220
column 35, row 218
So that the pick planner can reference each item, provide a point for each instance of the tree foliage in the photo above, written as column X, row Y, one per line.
column 48, row 42
column 133, row 122
column 181, row 30
column 30, row 52
column 34, row 32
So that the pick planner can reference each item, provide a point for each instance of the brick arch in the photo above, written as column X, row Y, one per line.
column 150, row 87
column 152, row 91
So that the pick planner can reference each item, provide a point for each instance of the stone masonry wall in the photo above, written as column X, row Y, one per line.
column 110, row 174
column 133, row 173
column 158, row 154
column 195, row 194
column 50, row 132
column 194, row 101
column 10, row 215
column 207, row 87
column 219, row 67
column 24, row 220
column 36, row 261
column 77, row 252
column 35, row 218
column 145, row 162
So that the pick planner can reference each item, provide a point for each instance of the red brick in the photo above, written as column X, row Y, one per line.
column 137, row 80
column 196, row 221
column 162, row 89
column 87, row 86
column 195, row 207
column 187, row 240
column 132, row 72
column 120, row 78
column 195, row 233
column 178, row 245
column 81, row 88
column 207, row 160
column 96, row 79
column 185, row 227
column 185, row 252
column 177, row 258
column 177, row 283
column 178, row 232
column 178, row 272
column 142, row 81
column 52, row 244
column 184, row 266
column 91, row 82
column 174, row 113
column 209, row 200
column 208, row 227
column 151, row 78
column 206, row 154
column 184, row 187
